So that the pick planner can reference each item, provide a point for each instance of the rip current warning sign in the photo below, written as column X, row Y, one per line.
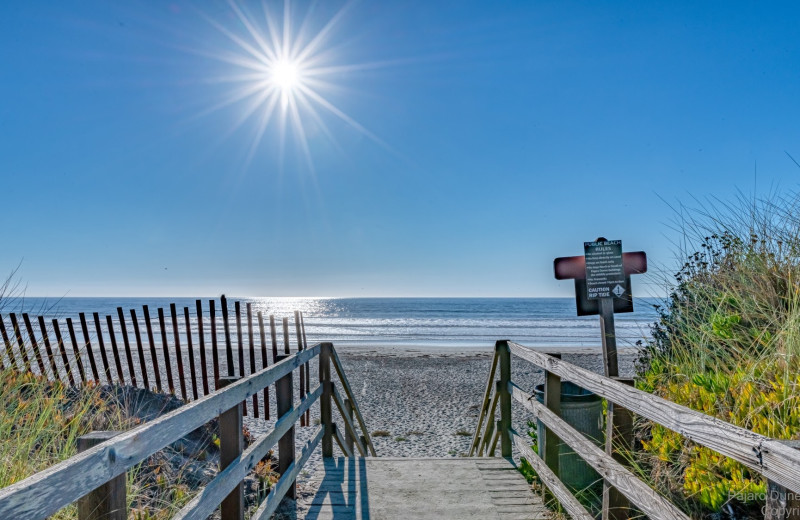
column 605, row 275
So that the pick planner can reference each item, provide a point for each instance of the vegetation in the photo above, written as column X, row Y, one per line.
column 728, row 344
column 41, row 420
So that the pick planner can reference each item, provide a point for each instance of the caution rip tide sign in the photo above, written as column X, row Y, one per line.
column 603, row 272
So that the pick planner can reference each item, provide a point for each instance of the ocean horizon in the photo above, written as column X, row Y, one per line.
column 422, row 322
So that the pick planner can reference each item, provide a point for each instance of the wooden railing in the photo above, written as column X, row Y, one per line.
column 777, row 461
column 44, row 493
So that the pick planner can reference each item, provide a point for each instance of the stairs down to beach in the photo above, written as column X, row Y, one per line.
column 384, row 488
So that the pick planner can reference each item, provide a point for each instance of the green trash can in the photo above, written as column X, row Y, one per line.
column 583, row 410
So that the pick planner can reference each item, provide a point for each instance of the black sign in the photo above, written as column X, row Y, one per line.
column 605, row 274
column 587, row 307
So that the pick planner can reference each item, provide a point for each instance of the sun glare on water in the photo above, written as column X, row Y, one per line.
column 283, row 77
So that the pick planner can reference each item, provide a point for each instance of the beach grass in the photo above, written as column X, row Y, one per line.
column 40, row 422
column 727, row 344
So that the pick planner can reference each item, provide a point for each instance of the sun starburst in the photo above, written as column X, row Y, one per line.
column 281, row 78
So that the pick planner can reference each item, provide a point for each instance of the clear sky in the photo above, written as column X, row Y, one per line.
column 446, row 148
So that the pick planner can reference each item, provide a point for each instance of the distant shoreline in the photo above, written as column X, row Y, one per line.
column 471, row 351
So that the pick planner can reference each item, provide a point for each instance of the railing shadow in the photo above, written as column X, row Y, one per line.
column 343, row 489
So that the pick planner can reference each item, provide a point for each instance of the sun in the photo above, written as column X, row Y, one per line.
column 283, row 76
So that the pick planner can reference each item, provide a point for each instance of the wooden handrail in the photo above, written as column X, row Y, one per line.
column 476, row 438
column 650, row 502
column 274, row 498
column 493, row 445
column 776, row 460
column 772, row 458
column 559, row 490
column 46, row 492
column 487, row 434
column 209, row 498
column 349, row 426
column 337, row 363
column 337, row 434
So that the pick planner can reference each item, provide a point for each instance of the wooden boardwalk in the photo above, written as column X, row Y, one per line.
column 399, row 488
column 386, row 488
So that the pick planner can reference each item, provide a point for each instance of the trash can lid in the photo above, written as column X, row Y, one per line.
column 570, row 392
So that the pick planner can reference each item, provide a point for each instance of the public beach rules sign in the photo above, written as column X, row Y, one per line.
column 605, row 275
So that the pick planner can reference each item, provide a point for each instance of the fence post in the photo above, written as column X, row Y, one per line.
column 231, row 445
column 348, row 437
column 504, row 358
column 284, row 397
column 325, row 399
column 782, row 503
column 109, row 501
column 552, row 400
column 619, row 442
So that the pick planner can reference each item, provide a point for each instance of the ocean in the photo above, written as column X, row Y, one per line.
column 423, row 322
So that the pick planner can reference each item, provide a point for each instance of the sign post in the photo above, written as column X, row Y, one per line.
column 609, row 335
column 605, row 280
column 603, row 286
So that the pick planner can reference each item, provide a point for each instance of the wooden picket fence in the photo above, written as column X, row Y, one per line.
column 134, row 357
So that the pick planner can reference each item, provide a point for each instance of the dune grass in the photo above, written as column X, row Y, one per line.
column 727, row 344
column 40, row 422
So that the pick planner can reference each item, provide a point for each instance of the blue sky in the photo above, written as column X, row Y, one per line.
column 479, row 141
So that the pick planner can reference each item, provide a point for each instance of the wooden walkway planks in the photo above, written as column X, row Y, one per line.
column 387, row 488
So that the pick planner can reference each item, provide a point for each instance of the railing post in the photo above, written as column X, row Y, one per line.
column 231, row 445
column 552, row 400
column 619, row 441
column 348, row 437
column 325, row 398
column 504, row 358
column 284, row 396
column 782, row 503
column 491, row 426
column 109, row 501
